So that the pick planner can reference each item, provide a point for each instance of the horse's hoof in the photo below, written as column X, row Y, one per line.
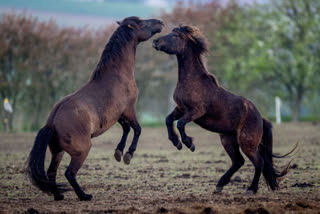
column 179, row 145
column 192, row 148
column 58, row 197
column 118, row 155
column 86, row 197
column 218, row 189
column 249, row 192
column 127, row 158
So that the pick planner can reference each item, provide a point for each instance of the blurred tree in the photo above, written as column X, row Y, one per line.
column 260, row 51
column 17, row 35
column 231, row 30
column 41, row 62
column 288, row 53
column 256, row 50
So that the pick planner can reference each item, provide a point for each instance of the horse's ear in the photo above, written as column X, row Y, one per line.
column 118, row 22
column 130, row 26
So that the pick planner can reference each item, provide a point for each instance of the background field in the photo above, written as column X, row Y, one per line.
column 163, row 179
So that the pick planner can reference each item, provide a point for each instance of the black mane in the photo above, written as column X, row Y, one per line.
column 113, row 49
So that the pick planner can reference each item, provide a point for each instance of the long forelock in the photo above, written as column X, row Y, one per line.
column 195, row 36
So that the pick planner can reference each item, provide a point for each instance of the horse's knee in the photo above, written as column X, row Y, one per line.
column 126, row 128
column 168, row 120
column 180, row 124
column 68, row 174
column 137, row 130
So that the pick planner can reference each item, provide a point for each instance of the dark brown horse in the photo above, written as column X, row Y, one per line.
column 201, row 99
column 108, row 97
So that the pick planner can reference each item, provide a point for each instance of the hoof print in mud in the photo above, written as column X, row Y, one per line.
column 127, row 158
column 118, row 155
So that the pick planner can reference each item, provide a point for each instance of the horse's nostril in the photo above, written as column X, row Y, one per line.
column 161, row 22
column 155, row 44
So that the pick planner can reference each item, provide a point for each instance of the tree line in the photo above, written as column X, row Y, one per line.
column 256, row 50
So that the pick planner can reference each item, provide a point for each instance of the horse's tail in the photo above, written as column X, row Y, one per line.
column 35, row 163
column 271, row 172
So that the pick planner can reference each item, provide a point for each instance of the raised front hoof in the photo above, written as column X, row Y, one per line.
column 127, row 158
column 218, row 189
column 85, row 197
column 118, row 155
column 58, row 197
column 192, row 148
column 188, row 141
column 179, row 145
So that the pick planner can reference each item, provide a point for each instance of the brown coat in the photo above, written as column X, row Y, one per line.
column 108, row 97
column 201, row 99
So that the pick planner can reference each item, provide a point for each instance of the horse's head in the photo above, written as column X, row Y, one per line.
column 180, row 39
column 142, row 29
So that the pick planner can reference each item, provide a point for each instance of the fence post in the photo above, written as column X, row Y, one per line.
column 278, row 110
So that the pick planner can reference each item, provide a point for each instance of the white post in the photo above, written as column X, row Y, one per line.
column 278, row 112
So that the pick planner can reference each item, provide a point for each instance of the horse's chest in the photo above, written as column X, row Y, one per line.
column 131, row 90
column 186, row 97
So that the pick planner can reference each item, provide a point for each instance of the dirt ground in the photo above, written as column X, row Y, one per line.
column 161, row 179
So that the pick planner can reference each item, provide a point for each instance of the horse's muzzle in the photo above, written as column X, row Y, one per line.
column 155, row 44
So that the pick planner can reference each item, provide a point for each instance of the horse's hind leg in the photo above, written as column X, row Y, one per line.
column 52, row 171
column 77, row 159
column 173, row 137
column 249, row 145
column 231, row 146
column 126, row 129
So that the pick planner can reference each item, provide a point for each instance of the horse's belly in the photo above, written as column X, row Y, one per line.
column 103, row 129
column 105, row 123
column 217, row 126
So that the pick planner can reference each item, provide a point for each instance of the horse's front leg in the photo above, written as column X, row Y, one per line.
column 134, row 124
column 176, row 114
column 126, row 129
column 188, row 117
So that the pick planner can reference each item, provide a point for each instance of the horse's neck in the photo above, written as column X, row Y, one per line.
column 190, row 66
column 121, row 64
column 127, row 58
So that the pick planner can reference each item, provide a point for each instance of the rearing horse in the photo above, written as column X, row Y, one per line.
column 108, row 97
column 201, row 99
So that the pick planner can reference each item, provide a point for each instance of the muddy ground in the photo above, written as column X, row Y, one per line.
column 161, row 179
